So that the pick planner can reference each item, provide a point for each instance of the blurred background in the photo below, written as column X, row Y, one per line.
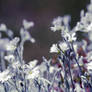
column 42, row 12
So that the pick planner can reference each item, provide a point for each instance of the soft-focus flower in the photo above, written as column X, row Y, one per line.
column 89, row 28
column 16, row 65
column 43, row 67
column 4, row 76
column 78, row 88
column 3, row 27
column 25, row 35
column 63, row 46
column 51, row 70
column 89, row 66
column 89, row 56
column 57, row 24
column 54, row 49
column 9, row 58
column 33, row 63
column 3, row 43
column 27, row 24
column 70, row 36
column 12, row 45
column 89, row 7
column 66, row 20
column 34, row 73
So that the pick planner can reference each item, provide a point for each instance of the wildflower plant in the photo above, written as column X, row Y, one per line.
column 71, row 73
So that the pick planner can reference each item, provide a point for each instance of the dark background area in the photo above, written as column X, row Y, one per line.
column 42, row 12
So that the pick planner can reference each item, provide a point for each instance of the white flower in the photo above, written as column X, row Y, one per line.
column 4, row 76
column 54, row 49
column 25, row 35
column 33, row 63
column 66, row 19
column 89, row 66
column 57, row 24
column 12, row 45
column 51, row 70
column 34, row 73
column 32, row 40
column 89, row 28
column 16, row 64
column 82, row 13
column 43, row 67
column 89, row 56
column 3, row 27
column 78, row 88
column 9, row 58
column 70, row 36
column 89, row 7
column 63, row 46
column 27, row 24
column 3, row 43
column 7, row 45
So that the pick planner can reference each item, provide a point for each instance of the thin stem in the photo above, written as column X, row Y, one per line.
column 71, row 78
column 65, row 76
column 76, row 60
column 5, row 89
column 2, row 61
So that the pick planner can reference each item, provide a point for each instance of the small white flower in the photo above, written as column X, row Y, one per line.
column 89, row 7
column 4, row 76
column 89, row 28
column 16, row 64
column 27, row 24
column 32, row 40
column 63, row 46
column 57, row 24
column 12, row 45
column 25, row 35
column 34, row 73
column 66, row 19
column 78, row 88
column 9, row 58
column 70, row 36
column 3, row 43
column 89, row 66
column 51, row 70
column 54, row 49
column 33, row 63
column 3, row 27
column 82, row 13
column 43, row 67
column 89, row 56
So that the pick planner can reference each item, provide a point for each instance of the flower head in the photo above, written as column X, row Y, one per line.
column 9, row 58
column 27, row 24
column 3, row 27
column 33, row 63
column 63, row 46
column 34, row 73
column 12, row 45
column 70, row 36
column 57, row 24
column 4, row 76
column 25, row 35
column 54, row 49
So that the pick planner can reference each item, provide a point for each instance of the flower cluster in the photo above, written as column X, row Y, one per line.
column 69, row 71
